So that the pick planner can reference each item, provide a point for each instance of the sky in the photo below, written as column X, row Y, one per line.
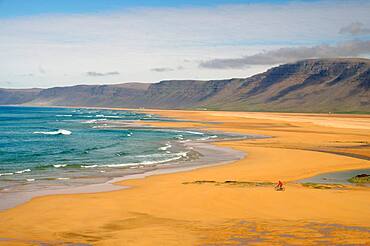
column 68, row 42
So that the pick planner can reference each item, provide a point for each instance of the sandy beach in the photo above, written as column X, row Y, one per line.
column 202, row 206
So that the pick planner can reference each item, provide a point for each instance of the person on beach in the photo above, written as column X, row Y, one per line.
column 279, row 186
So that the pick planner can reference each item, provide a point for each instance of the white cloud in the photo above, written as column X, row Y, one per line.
column 355, row 28
column 166, row 69
column 283, row 55
column 136, row 41
column 98, row 74
column 162, row 69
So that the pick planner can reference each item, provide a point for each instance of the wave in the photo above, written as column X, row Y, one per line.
column 6, row 174
column 196, row 133
column 58, row 132
column 166, row 147
column 179, row 131
column 63, row 115
column 16, row 172
column 101, row 126
column 59, row 165
column 89, row 121
column 177, row 156
column 166, row 157
column 93, row 121
column 89, row 166
column 23, row 171
column 207, row 138
column 51, row 166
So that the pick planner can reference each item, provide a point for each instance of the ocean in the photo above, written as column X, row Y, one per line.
column 59, row 147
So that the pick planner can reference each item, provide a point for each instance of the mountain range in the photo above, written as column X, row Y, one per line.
column 314, row 85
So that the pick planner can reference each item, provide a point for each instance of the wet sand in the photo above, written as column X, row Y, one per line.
column 175, row 209
column 207, row 155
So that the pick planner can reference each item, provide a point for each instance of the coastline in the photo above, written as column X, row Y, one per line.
column 166, row 210
column 209, row 155
column 200, row 151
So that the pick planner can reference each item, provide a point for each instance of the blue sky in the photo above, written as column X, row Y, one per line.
column 45, row 43
column 14, row 8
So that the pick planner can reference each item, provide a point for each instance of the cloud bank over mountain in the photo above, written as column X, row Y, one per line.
column 283, row 55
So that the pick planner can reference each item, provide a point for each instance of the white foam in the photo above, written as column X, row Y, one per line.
column 64, row 115
column 177, row 156
column 62, row 178
column 58, row 132
column 101, row 126
column 190, row 132
column 166, row 147
column 157, row 155
column 23, row 171
column 185, row 141
column 30, row 180
column 89, row 166
column 6, row 174
column 60, row 165
column 209, row 137
column 89, row 121
column 196, row 133
column 93, row 121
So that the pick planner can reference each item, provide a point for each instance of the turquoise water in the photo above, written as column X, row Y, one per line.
column 62, row 146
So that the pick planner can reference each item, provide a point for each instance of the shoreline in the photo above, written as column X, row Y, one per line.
column 17, row 198
column 349, row 114
column 178, row 209
column 209, row 155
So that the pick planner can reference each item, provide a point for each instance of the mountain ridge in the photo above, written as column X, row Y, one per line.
column 313, row 85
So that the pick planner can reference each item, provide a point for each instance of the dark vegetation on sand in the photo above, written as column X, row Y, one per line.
column 360, row 179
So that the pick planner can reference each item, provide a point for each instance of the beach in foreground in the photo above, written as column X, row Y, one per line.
column 233, row 204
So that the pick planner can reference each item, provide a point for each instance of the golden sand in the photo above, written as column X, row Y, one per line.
column 174, row 209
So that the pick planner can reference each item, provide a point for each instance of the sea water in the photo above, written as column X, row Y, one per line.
column 57, row 147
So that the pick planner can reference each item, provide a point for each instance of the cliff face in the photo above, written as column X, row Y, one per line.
column 317, row 85
column 17, row 96
column 182, row 93
column 92, row 95
column 310, row 85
